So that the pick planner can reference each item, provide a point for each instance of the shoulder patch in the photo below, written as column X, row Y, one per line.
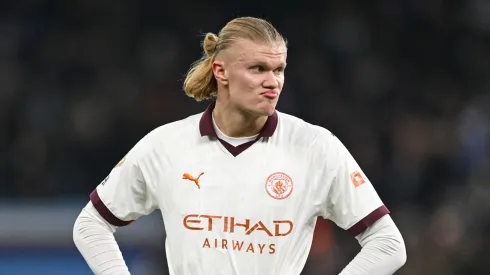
column 121, row 162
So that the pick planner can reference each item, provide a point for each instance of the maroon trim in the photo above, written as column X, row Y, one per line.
column 236, row 150
column 369, row 220
column 105, row 212
column 269, row 126
column 206, row 128
column 206, row 123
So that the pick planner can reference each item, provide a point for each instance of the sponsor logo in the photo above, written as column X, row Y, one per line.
column 240, row 227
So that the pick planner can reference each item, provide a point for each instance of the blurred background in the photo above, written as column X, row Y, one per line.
column 403, row 83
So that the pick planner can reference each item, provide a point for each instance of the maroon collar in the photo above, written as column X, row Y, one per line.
column 206, row 126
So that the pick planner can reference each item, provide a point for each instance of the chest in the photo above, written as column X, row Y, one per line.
column 263, row 182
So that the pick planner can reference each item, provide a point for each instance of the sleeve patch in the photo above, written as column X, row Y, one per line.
column 357, row 179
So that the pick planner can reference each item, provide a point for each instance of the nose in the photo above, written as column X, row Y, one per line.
column 271, row 81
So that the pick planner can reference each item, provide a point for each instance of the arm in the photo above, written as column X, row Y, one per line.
column 383, row 250
column 94, row 238
column 122, row 197
column 354, row 205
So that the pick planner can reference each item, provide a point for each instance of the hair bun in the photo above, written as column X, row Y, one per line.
column 210, row 42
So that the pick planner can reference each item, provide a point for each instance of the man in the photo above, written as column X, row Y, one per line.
column 240, row 186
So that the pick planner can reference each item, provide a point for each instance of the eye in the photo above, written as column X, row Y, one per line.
column 257, row 69
column 279, row 70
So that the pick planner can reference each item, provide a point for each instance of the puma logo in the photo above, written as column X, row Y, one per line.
column 191, row 178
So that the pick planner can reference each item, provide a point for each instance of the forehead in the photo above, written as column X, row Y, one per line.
column 246, row 51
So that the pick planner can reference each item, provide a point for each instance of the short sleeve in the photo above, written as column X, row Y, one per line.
column 124, row 195
column 351, row 201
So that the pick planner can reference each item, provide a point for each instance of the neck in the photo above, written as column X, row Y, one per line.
column 236, row 123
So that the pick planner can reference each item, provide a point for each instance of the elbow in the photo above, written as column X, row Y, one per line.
column 400, row 257
column 395, row 253
column 81, row 227
column 76, row 233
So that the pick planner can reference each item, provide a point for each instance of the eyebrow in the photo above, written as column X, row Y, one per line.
column 267, row 64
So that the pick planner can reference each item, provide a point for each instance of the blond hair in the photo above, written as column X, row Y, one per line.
column 200, row 83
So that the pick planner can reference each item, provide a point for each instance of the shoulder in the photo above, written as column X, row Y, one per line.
column 177, row 129
column 322, row 147
column 170, row 135
column 298, row 130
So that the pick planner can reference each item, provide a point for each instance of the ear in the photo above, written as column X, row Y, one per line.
column 219, row 72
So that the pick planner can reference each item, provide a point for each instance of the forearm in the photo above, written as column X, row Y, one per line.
column 94, row 238
column 382, row 253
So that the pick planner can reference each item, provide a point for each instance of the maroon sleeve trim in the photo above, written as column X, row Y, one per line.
column 105, row 212
column 369, row 220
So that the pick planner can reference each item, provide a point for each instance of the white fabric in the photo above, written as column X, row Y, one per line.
column 125, row 191
column 382, row 253
column 251, row 214
column 344, row 202
column 94, row 238
column 383, row 250
column 231, row 140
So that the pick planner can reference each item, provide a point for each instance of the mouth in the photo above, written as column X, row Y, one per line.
column 271, row 94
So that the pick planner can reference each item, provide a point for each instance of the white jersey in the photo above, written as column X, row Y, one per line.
column 242, row 210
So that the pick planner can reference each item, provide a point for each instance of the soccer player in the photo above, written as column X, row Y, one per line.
column 239, row 186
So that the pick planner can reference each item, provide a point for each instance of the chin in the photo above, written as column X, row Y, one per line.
column 263, row 109
column 261, row 112
column 268, row 111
